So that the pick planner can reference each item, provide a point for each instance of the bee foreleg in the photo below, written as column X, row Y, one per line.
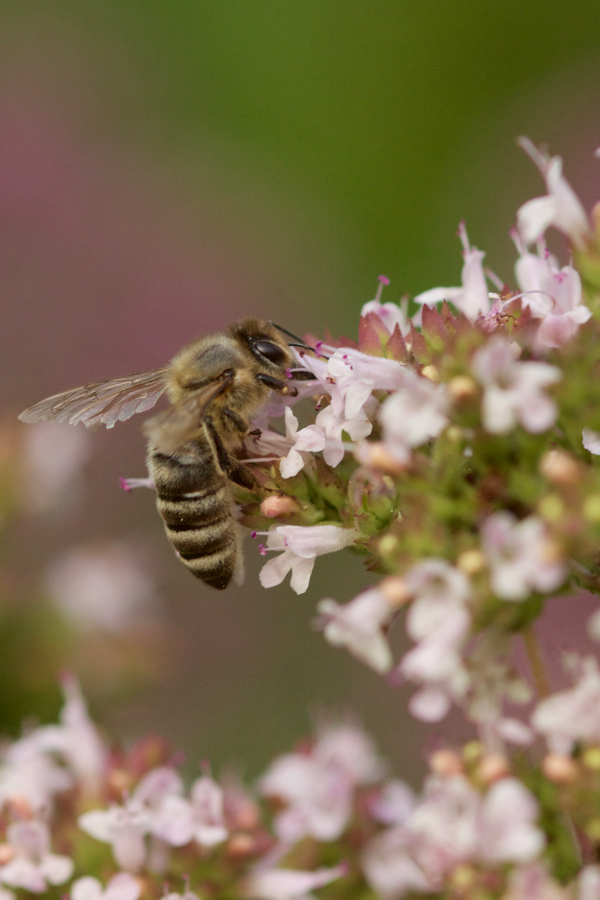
column 276, row 384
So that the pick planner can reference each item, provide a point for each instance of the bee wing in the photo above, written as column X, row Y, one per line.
column 175, row 426
column 101, row 403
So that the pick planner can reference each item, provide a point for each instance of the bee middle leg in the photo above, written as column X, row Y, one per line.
column 235, row 471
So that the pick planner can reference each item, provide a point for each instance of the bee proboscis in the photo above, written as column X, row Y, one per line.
column 216, row 385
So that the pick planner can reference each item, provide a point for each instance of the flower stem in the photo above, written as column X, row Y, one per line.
column 535, row 661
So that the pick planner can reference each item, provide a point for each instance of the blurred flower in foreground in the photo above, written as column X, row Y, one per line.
column 103, row 587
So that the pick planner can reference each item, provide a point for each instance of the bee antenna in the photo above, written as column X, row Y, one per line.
column 299, row 341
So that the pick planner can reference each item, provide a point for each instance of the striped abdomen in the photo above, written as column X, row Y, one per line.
column 193, row 498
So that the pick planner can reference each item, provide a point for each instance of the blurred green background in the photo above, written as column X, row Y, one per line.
column 169, row 167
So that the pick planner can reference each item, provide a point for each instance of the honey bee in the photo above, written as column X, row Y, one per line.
column 216, row 385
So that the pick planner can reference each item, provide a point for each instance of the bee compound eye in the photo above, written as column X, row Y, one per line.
column 270, row 350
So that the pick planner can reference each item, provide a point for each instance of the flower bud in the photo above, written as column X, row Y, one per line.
column 559, row 768
column 119, row 781
column 431, row 373
column 375, row 455
column 472, row 752
column 559, row 467
column 240, row 845
column 388, row 545
column 551, row 551
column 278, row 506
column 461, row 387
column 591, row 508
column 446, row 763
column 471, row 562
column 591, row 759
column 492, row 767
column 395, row 590
column 551, row 508
column 463, row 877
column 19, row 807
column 6, row 854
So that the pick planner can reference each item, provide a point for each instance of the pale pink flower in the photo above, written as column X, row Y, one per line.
column 591, row 441
column 570, row 716
column 123, row 827
column 318, row 787
column 301, row 545
column 287, row 884
column 513, row 390
column 121, row 886
column 534, row 883
column 588, row 883
column 207, row 812
column 310, row 439
column 53, row 456
column 436, row 663
column 439, row 620
column 520, row 555
column 33, row 866
column 348, row 747
column 332, row 425
column 443, row 829
column 560, row 207
column 352, row 376
column 318, row 797
column 394, row 803
column 76, row 739
column 186, row 895
column 493, row 681
column 389, row 868
column 359, row 626
column 413, row 415
column 29, row 774
column 455, row 823
column 104, row 587
column 472, row 297
column 553, row 295
column 390, row 314
column 506, row 824
column 178, row 821
column 158, row 796
column 5, row 894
